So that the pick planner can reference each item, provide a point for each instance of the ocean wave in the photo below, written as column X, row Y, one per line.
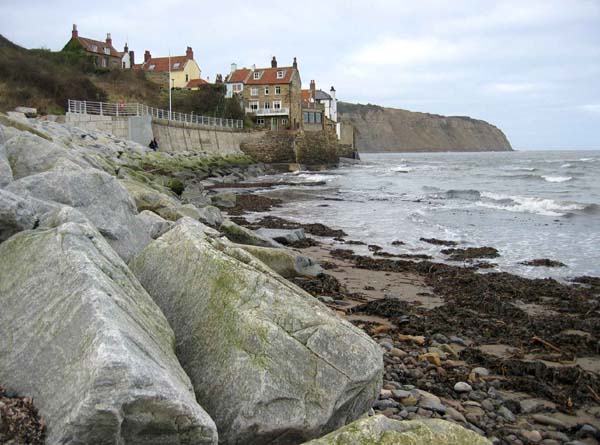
column 469, row 195
column 517, row 169
column 540, row 206
column 557, row 178
column 402, row 169
column 567, row 165
column 315, row 177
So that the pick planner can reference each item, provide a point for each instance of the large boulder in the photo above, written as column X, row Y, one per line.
column 16, row 215
column 242, row 235
column 80, row 335
column 6, row 175
column 148, row 198
column 155, row 224
column 379, row 430
column 268, row 362
column 29, row 154
column 99, row 196
column 285, row 262
column 283, row 236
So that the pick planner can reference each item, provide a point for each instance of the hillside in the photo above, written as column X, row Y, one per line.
column 380, row 129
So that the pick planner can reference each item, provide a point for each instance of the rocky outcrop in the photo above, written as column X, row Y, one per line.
column 268, row 362
column 380, row 430
column 6, row 175
column 80, row 335
column 242, row 235
column 379, row 129
column 99, row 196
column 16, row 215
column 285, row 262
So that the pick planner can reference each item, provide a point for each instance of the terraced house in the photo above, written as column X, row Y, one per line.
column 103, row 53
column 272, row 96
column 185, row 72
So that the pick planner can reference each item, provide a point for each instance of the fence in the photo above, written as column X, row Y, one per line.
column 137, row 109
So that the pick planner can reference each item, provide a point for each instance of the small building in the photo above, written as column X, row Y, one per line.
column 183, row 68
column 272, row 96
column 128, row 58
column 103, row 53
column 319, row 109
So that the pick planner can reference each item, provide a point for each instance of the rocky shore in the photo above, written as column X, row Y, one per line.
column 143, row 301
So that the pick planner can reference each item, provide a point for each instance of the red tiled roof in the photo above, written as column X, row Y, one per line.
column 194, row 83
column 238, row 76
column 305, row 95
column 161, row 64
column 269, row 76
column 88, row 45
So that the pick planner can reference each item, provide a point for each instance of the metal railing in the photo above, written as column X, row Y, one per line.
column 137, row 109
column 268, row 111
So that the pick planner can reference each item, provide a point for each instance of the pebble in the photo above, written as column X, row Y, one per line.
column 482, row 372
column 556, row 435
column 462, row 387
column 397, row 352
column 432, row 405
column 455, row 415
column 586, row 431
column 384, row 404
column 387, row 345
column 440, row 338
column 432, row 358
column 458, row 341
column 487, row 405
column 450, row 350
column 400, row 394
column 385, row 394
column 477, row 395
column 550, row 442
column 409, row 401
column 532, row 436
column 507, row 414
column 547, row 420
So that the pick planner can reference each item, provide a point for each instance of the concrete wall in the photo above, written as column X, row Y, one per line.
column 118, row 126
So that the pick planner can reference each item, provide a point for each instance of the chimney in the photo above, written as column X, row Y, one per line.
column 313, row 89
column 233, row 67
column 126, row 48
column 189, row 54
column 131, row 58
column 253, row 68
column 219, row 79
column 147, row 56
column 295, row 64
column 273, row 62
column 332, row 91
column 74, row 33
column 108, row 39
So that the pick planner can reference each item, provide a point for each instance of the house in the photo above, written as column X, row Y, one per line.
column 103, row 53
column 319, row 109
column 183, row 68
column 272, row 96
column 128, row 58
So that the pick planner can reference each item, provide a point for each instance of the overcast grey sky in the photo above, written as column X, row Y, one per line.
column 530, row 67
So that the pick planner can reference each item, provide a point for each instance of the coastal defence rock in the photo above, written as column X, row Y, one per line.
column 6, row 175
column 242, row 235
column 285, row 262
column 99, row 196
column 380, row 430
column 80, row 335
column 268, row 362
column 379, row 129
column 16, row 215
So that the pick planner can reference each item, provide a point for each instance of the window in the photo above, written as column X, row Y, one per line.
column 237, row 87
column 187, row 78
column 260, row 120
column 267, row 105
column 266, row 91
column 107, row 51
column 305, row 117
column 176, row 65
column 311, row 117
column 151, row 67
column 254, row 92
column 254, row 105
column 318, row 118
column 94, row 48
column 256, row 75
column 283, row 121
column 277, row 90
column 124, row 65
column 104, row 62
column 277, row 104
column 280, row 74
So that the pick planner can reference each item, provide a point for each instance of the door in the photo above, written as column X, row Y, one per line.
column 273, row 124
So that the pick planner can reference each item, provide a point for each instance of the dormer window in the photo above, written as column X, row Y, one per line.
column 151, row 67
column 256, row 75
column 107, row 51
column 280, row 74
column 176, row 65
column 94, row 48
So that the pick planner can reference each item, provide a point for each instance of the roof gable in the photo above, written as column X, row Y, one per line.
column 161, row 64
column 97, row 46
column 270, row 76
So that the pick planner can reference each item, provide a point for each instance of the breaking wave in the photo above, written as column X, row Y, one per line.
column 557, row 178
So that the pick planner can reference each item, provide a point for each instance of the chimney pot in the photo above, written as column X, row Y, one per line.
column 233, row 67
column 108, row 39
column 147, row 56
column 273, row 62
column 295, row 64
column 189, row 54
column 74, row 32
column 131, row 58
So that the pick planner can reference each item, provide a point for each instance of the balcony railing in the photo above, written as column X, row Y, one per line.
column 136, row 109
column 268, row 111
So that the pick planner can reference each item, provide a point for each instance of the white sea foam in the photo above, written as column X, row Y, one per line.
column 523, row 204
column 402, row 169
column 315, row 177
column 566, row 165
column 517, row 169
column 557, row 178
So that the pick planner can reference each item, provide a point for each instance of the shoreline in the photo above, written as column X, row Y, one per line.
column 512, row 358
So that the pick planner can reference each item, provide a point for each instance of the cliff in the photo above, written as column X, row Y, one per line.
column 380, row 129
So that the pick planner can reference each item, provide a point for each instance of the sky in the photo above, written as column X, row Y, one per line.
column 530, row 67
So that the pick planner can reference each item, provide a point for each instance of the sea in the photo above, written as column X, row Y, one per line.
column 526, row 204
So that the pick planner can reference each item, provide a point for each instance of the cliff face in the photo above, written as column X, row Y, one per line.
column 380, row 129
